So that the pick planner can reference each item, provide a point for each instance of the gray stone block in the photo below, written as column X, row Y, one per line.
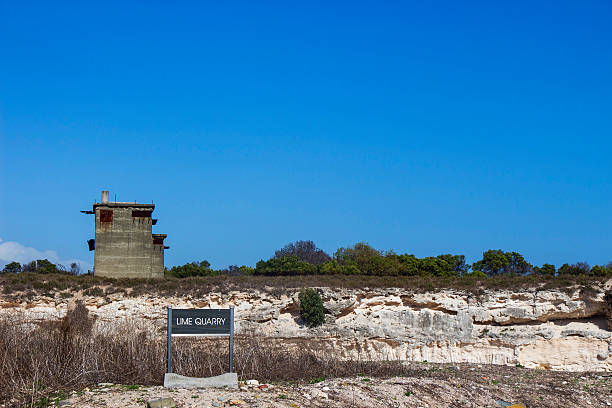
column 172, row 380
column 161, row 403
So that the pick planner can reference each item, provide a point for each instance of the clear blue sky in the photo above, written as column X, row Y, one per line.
column 424, row 127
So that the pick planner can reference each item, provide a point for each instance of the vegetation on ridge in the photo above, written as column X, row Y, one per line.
column 303, row 258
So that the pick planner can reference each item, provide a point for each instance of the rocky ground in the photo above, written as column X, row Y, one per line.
column 434, row 386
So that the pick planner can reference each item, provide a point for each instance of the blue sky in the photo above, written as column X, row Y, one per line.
column 424, row 127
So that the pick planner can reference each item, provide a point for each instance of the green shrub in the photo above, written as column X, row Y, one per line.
column 475, row 274
column 191, row 269
column 287, row 265
column 599, row 270
column 312, row 310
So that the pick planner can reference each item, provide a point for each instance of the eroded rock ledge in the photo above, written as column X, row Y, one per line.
column 553, row 329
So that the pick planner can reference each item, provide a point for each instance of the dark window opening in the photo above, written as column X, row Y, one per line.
column 141, row 213
column 158, row 241
column 106, row 215
column 92, row 244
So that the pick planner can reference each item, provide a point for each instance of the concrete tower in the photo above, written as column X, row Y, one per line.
column 124, row 244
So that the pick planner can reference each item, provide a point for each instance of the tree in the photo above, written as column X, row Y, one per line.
column 40, row 266
column 31, row 267
column 288, row 265
column 457, row 263
column 493, row 262
column 408, row 265
column 235, row 270
column 13, row 267
column 75, row 268
column 430, row 266
column 599, row 270
column 517, row 264
column 305, row 251
column 496, row 262
column 312, row 310
column 579, row 268
column 546, row 269
column 361, row 255
column 331, row 268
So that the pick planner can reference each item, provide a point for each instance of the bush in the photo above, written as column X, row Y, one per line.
column 287, row 265
column 546, row 269
column 39, row 363
column 599, row 270
column 191, row 269
column 475, row 274
column 579, row 268
column 312, row 310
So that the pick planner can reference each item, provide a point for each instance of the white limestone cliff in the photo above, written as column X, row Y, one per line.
column 550, row 329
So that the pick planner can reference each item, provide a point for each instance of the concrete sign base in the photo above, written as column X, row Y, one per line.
column 172, row 380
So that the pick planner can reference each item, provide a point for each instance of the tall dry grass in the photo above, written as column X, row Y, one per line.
column 38, row 359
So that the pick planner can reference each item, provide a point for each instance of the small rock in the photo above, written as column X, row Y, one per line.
column 105, row 384
column 64, row 403
column 237, row 402
column 325, row 389
column 315, row 393
column 517, row 406
column 215, row 404
column 263, row 387
column 161, row 403
column 603, row 356
column 252, row 383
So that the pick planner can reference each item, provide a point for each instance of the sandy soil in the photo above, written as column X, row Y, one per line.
column 432, row 386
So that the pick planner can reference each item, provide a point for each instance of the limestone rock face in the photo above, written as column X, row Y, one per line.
column 565, row 329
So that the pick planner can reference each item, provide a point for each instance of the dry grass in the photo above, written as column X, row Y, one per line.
column 37, row 361
column 40, row 360
column 28, row 285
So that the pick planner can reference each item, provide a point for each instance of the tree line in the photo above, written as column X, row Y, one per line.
column 43, row 266
column 304, row 258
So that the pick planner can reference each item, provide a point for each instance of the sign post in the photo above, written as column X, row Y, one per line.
column 231, row 342
column 201, row 322
column 169, row 340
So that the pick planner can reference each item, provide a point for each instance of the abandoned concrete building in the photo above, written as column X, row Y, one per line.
column 124, row 243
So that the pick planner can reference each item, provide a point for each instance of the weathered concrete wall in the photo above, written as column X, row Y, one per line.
column 157, row 255
column 124, row 247
column 548, row 329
